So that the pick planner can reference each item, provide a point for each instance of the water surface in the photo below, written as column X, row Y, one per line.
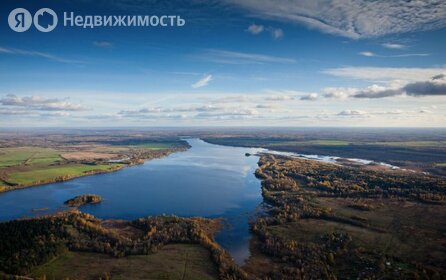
column 206, row 180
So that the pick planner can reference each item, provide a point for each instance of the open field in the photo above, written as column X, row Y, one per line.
column 27, row 156
column 156, row 145
column 87, row 156
column 50, row 173
column 175, row 261
column 35, row 161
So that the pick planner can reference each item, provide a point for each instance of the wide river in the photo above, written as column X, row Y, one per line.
column 206, row 180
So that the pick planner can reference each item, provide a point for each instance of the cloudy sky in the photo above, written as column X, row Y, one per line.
column 234, row 63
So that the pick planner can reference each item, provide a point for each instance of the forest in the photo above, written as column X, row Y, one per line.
column 25, row 244
column 334, row 222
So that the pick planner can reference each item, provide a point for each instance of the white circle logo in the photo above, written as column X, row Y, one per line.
column 45, row 20
column 20, row 20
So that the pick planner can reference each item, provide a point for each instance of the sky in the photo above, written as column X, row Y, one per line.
column 288, row 63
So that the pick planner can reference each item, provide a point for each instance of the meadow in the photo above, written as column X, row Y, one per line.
column 173, row 261
column 23, row 166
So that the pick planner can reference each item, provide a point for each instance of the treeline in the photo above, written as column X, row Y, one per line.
column 25, row 244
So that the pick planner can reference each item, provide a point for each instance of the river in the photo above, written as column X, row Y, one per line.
column 206, row 180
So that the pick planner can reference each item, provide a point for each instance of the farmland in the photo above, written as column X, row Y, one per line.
column 36, row 162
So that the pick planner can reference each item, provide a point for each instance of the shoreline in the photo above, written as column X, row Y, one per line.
column 92, row 172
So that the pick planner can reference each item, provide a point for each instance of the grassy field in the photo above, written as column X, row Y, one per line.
column 50, row 173
column 27, row 156
column 314, row 143
column 176, row 261
column 25, row 166
column 412, row 143
column 156, row 145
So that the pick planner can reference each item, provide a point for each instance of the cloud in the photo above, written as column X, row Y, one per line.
column 14, row 51
column 339, row 92
column 234, row 113
column 202, row 82
column 433, row 87
column 310, row 97
column 352, row 18
column 40, row 103
column 279, row 98
column 376, row 91
column 367, row 54
column 394, row 46
column 424, row 111
column 157, row 110
column 232, row 99
column 255, row 29
column 207, row 111
column 265, row 106
column 231, row 57
column 385, row 73
column 56, row 114
column 439, row 77
column 371, row 54
column 14, row 111
column 352, row 113
column 276, row 33
column 425, row 88
column 103, row 44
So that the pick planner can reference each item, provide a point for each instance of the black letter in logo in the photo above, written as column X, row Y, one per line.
column 20, row 19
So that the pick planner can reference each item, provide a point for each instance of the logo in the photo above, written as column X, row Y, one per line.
column 20, row 20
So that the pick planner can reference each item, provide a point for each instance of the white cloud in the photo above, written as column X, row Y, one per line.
column 436, row 86
column 230, row 57
column 277, row 33
column 394, row 46
column 279, row 98
column 255, row 29
column 371, row 54
column 339, row 92
column 367, row 54
column 385, row 73
column 56, row 114
column 265, row 106
column 377, row 91
column 13, row 51
column 352, row 113
column 202, row 82
column 233, row 113
column 40, row 103
column 353, row 18
column 310, row 97
column 103, row 44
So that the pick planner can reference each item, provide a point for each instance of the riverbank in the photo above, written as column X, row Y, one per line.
column 88, row 169
column 388, row 153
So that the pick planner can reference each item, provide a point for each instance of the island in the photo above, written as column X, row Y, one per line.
column 83, row 199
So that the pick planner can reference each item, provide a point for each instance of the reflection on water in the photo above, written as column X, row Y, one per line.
column 207, row 180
